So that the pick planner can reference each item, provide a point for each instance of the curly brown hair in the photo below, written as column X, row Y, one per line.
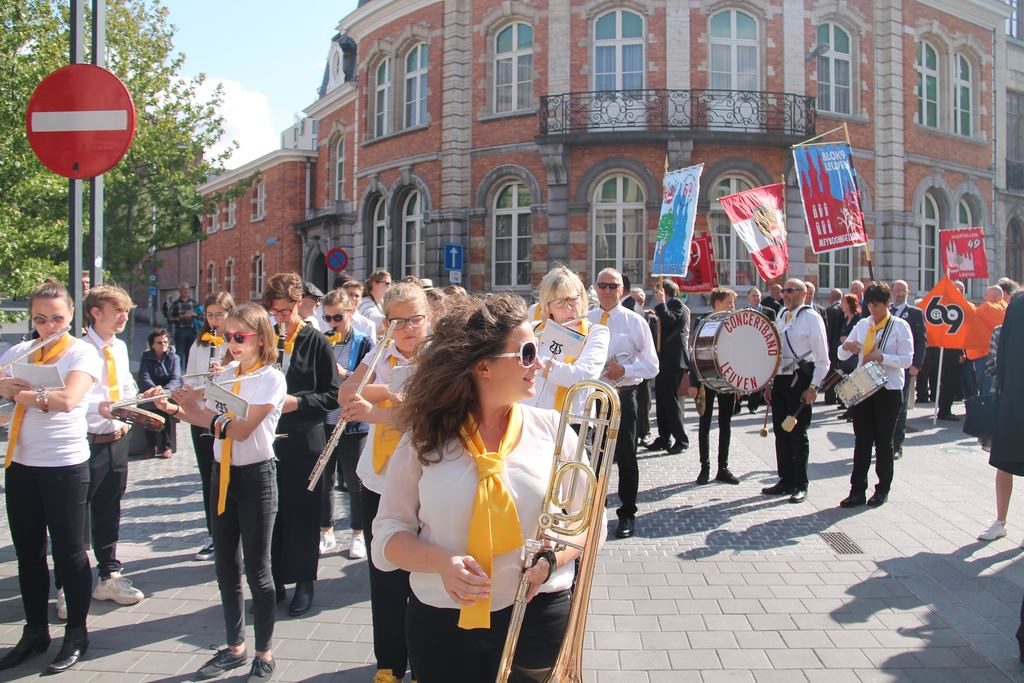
column 471, row 330
column 287, row 286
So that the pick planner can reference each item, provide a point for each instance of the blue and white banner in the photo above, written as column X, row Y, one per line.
column 675, row 228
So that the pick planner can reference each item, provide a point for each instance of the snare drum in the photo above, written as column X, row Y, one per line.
column 137, row 416
column 863, row 382
column 736, row 352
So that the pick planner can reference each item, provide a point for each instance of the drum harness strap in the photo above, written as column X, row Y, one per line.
column 885, row 337
column 797, row 359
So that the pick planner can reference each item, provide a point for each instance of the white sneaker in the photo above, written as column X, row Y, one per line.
column 327, row 542
column 206, row 552
column 358, row 549
column 62, row 605
column 997, row 530
column 118, row 589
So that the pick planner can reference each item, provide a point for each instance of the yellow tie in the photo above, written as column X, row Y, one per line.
column 225, row 451
column 289, row 343
column 19, row 411
column 494, row 527
column 560, row 391
column 211, row 339
column 385, row 437
column 335, row 338
column 869, row 343
column 789, row 315
column 604, row 317
column 112, row 385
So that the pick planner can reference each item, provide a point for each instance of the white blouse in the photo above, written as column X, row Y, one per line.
column 382, row 374
column 558, row 373
column 436, row 503
column 897, row 353
column 268, row 387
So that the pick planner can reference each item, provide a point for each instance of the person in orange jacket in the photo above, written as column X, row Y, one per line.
column 990, row 315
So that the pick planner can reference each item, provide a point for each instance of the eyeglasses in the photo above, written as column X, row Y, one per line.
column 608, row 285
column 790, row 290
column 527, row 354
column 337, row 318
column 239, row 337
column 42, row 319
column 384, row 282
column 414, row 321
column 216, row 316
column 281, row 311
column 566, row 302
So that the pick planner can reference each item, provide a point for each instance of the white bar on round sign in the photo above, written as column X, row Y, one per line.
column 74, row 121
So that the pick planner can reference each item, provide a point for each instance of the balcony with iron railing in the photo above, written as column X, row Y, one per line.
column 771, row 117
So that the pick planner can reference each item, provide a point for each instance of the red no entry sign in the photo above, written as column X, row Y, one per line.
column 80, row 121
column 336, row 259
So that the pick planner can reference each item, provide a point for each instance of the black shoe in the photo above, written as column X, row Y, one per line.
column 302, row 601
column 223, row 661
column 725, row 476
column 911, row 430
column 897, row 454
column 677, row 448
column 779, row 489
column 262, row 669
column 644, row 440
column 657, row 445
column 625, row 528
column 704, row 476
column 74, row 647
column 280, row 592
column 799, row 496
column 853, row 500
column 878, row 499
column 948, row 417
column 923, row 401
column 34, row 640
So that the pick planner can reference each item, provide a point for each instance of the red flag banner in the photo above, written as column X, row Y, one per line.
column 963, row 253
column 828, row 191
column 702, row 275
column 758, row 219
column 948, row 316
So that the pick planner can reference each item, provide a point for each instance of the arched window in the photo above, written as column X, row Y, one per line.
column 964, row 215
column 735, row 267
column 382, row 99
column 339, row 170
column 229, row 276
column 513, row 68
column 211, row 278
column 834, row 70
column 381, row 234
column 513, row 248
column 735, row 54
column 256, row 277
column 259, row 201
column 416, row 86
column 412, row 235
column 927, row 85
column 962, row 96
column 619, row 51
column 1015, row 251
column 928, row 243
column 618, row 227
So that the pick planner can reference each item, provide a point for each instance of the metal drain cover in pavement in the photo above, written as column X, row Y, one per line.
column 841, row 543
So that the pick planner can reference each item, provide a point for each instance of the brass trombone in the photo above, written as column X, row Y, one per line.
column 565, row 522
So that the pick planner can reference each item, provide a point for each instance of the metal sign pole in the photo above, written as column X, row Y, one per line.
column 99, row 40
column 77, row 56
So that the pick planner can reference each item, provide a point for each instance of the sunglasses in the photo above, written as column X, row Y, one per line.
column 336, row 318
column 42, row 319
column 414, row 321
column 790, row 290
column 527, row 354
column 608, row 285
column 239, row 337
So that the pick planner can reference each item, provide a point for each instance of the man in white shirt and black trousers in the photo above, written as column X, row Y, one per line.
column 631, row 359
column 794, row 389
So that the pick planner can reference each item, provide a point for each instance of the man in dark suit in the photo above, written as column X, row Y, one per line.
column 774, row 298
column 834, row 320
column 809, row 300
column 915, row 318
column 674, row 318
column 629, row 301
column 754, row 303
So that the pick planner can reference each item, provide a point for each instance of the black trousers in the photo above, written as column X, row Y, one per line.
column 643, row 410
column 792, row 449
column 949, row 380
column 928, row 379
column 345, row 458
column 443, row 653
column 726, row 408
column 54, row 500
column 166, row 437
column 874, row 420
column 389, row 599
column 670, row 415
column 625, row 454
column 245, row 529
column 108, row 479
column 203, row 447
column 900, row 430
column 295, row 550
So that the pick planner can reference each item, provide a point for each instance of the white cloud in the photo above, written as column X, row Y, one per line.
column 247, row 121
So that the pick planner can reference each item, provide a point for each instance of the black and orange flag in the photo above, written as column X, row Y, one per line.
column 949, row 317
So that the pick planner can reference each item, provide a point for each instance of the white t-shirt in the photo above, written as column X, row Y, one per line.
column 200, row 357
column 383, row 375
column 57, row 439
column 436, row 503
column 369, row 309
column 267, row 388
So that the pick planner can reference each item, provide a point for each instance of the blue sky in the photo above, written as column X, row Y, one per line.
column 269, row 56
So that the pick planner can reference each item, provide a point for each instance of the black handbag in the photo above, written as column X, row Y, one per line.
column 981, row 415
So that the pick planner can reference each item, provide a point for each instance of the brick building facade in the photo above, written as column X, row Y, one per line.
column 533, row 132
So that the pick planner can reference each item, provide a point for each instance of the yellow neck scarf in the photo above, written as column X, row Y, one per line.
column 494, row 527
column 289, row 342
column 51, row 356
column 869, row 343
column 225, row 451
column 336, row 337
column 211, row 338
column 385, row 437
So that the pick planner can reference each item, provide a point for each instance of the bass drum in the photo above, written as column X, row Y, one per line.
column 736, row 352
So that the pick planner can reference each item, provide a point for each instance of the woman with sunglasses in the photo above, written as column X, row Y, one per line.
column 310, row 370
column 206, row 355
column 47, row 479
column 562, row 300
column 349, row 346
column 245, row 478
column 457, row 524
column 405, row 305
column 372, row 305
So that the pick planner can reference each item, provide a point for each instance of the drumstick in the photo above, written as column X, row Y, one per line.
column 789, row 424
column 764, row 429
